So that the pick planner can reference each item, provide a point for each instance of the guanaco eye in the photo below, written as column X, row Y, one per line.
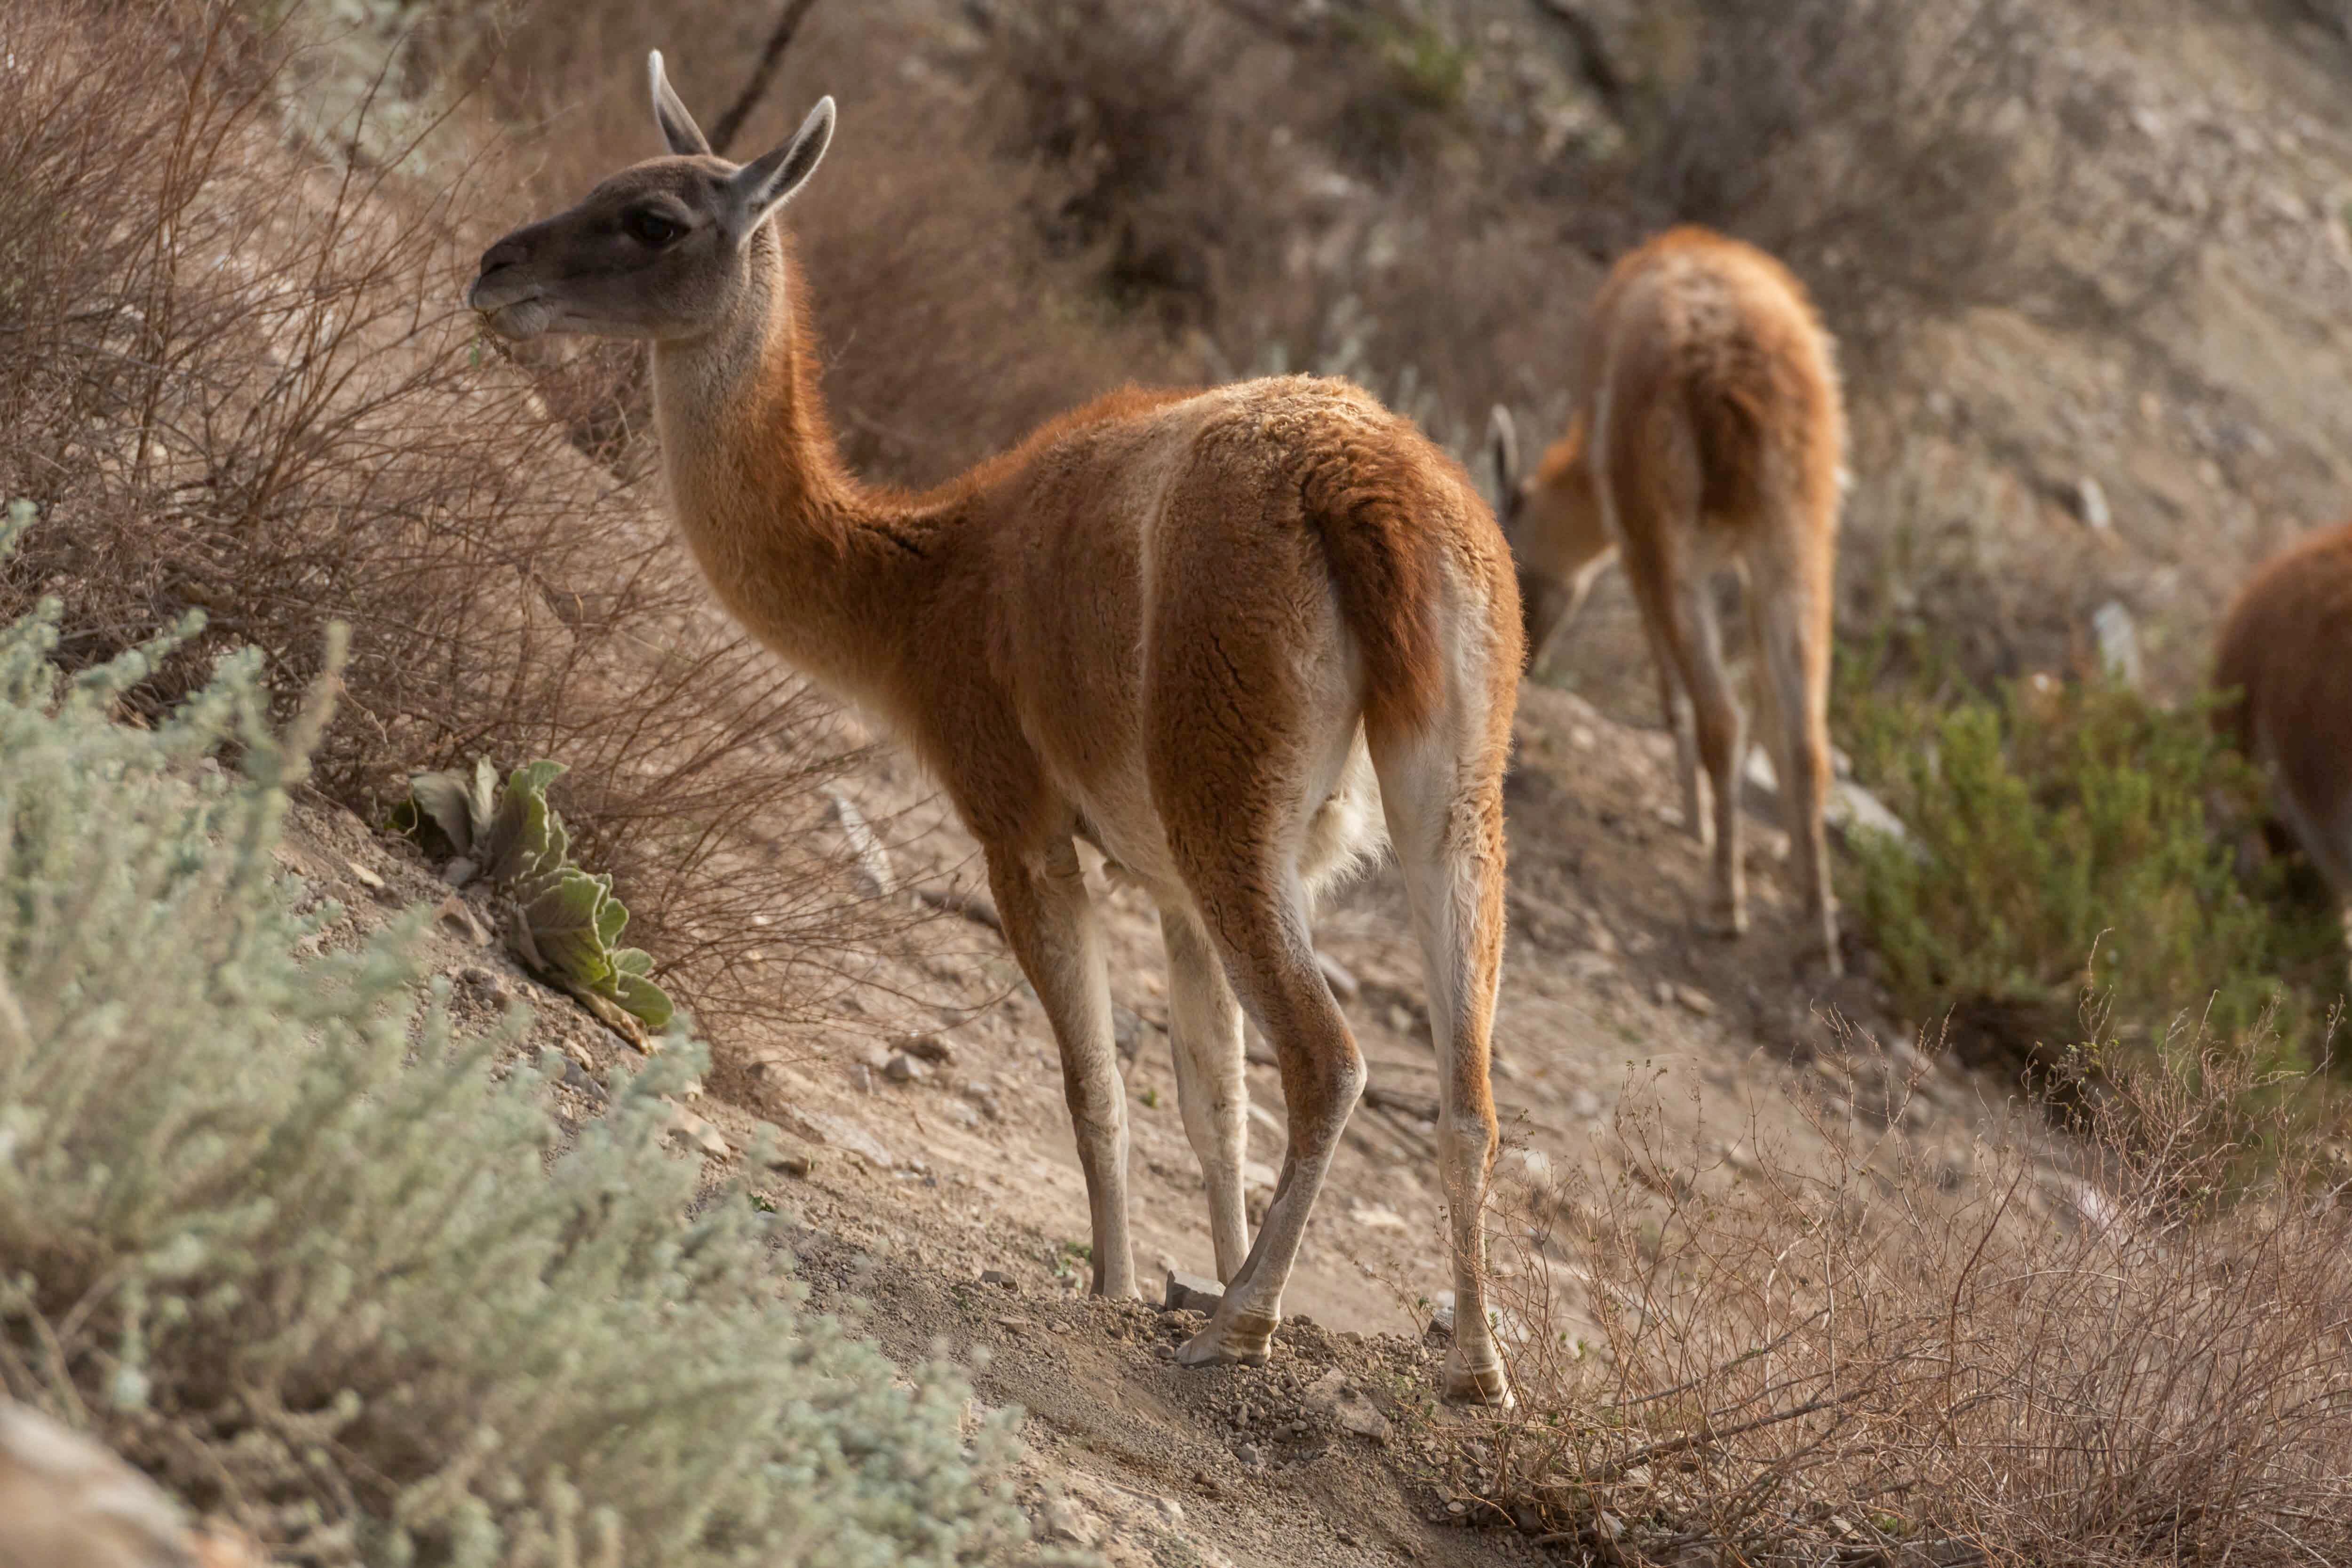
column 651, row 228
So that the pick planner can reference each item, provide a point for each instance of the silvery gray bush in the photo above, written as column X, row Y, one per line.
column 267, row 1226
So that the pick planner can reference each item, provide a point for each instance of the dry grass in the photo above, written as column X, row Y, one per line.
column 1872, row 1351
column 236, row 376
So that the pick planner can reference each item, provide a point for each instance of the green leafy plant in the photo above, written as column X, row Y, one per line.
column 562, row 921
column 2058, row 828
column 273, row 1230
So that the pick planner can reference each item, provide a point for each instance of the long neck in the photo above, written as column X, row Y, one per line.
column 805, row 557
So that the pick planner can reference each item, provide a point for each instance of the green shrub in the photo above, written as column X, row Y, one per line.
column 269, row 1228
column 2055, row 828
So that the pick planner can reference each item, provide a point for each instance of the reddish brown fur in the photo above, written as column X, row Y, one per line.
column 2286, row 649
column 1709, row 430
column 1189, row 627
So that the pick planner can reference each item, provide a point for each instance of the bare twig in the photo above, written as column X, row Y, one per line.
column 723, row 134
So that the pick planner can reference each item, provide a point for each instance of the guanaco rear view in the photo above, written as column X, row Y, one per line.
column 2286, row 649
column 1227, row 638
column 1708, row 432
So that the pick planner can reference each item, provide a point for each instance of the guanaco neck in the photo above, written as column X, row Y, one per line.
column 828, row 574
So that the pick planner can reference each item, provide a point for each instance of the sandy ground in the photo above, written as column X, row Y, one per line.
column 915, row 1189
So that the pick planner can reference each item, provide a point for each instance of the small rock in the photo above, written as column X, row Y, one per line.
column 2091, row 505
column 1191, row 1293
column 1063, row 1522
column 1360, row 1417
column 964, row 1115
column 1378, row 1216
column 1257, row 1176
column 1165, row 1352
column 1400, row 1018
column 486, row 982
column 1853, row 809
column 1334, row 974
column 1586, row 1104
column 904, row 1069
column 365, row 878
column 843, row 1133
column 686, row 1125
column 2118, row 639
column 928, row 1048
column 786, row 1153
column 872, row 858
column 1334, row 1398
column 1000, row 1279
column 576, row 1078
column 68, row 1500
column 1697, row 1001
column 461, row 914
column 459, row 872
column 982, row 1094
column 1252, row 1462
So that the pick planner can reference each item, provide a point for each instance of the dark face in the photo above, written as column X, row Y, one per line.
column 647, row 255
column 656, row 252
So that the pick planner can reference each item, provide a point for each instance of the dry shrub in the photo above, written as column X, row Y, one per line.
column 234, row 375
column 1299, row 191
column 1920, row 159
column 1881, row 1353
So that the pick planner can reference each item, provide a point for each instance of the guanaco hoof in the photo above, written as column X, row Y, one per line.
column 1489, row 1384
column 1247, row 1341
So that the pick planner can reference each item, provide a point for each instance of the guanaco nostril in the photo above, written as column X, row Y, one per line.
column 505, row 253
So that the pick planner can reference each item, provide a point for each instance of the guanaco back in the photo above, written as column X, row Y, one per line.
column 2286, row 650
column 1708, row 432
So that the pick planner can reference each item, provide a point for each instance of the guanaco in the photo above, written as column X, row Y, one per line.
column 2286, row 650
column 1231, row 639
column 1708, row 432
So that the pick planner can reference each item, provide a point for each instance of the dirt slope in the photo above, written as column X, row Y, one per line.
column 2205, row 414
column 915, row 1189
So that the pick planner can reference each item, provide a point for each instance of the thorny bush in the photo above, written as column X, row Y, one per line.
column 1865, row 1346
column 236, row 375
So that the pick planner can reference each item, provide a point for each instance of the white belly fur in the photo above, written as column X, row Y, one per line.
column 1345, row 834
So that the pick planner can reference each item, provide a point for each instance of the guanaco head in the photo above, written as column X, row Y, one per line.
column 1553, row 521
column 658, row 251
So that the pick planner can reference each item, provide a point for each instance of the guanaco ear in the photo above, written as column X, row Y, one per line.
column 768, row 183
column 1503, row 446
column 679, row 131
